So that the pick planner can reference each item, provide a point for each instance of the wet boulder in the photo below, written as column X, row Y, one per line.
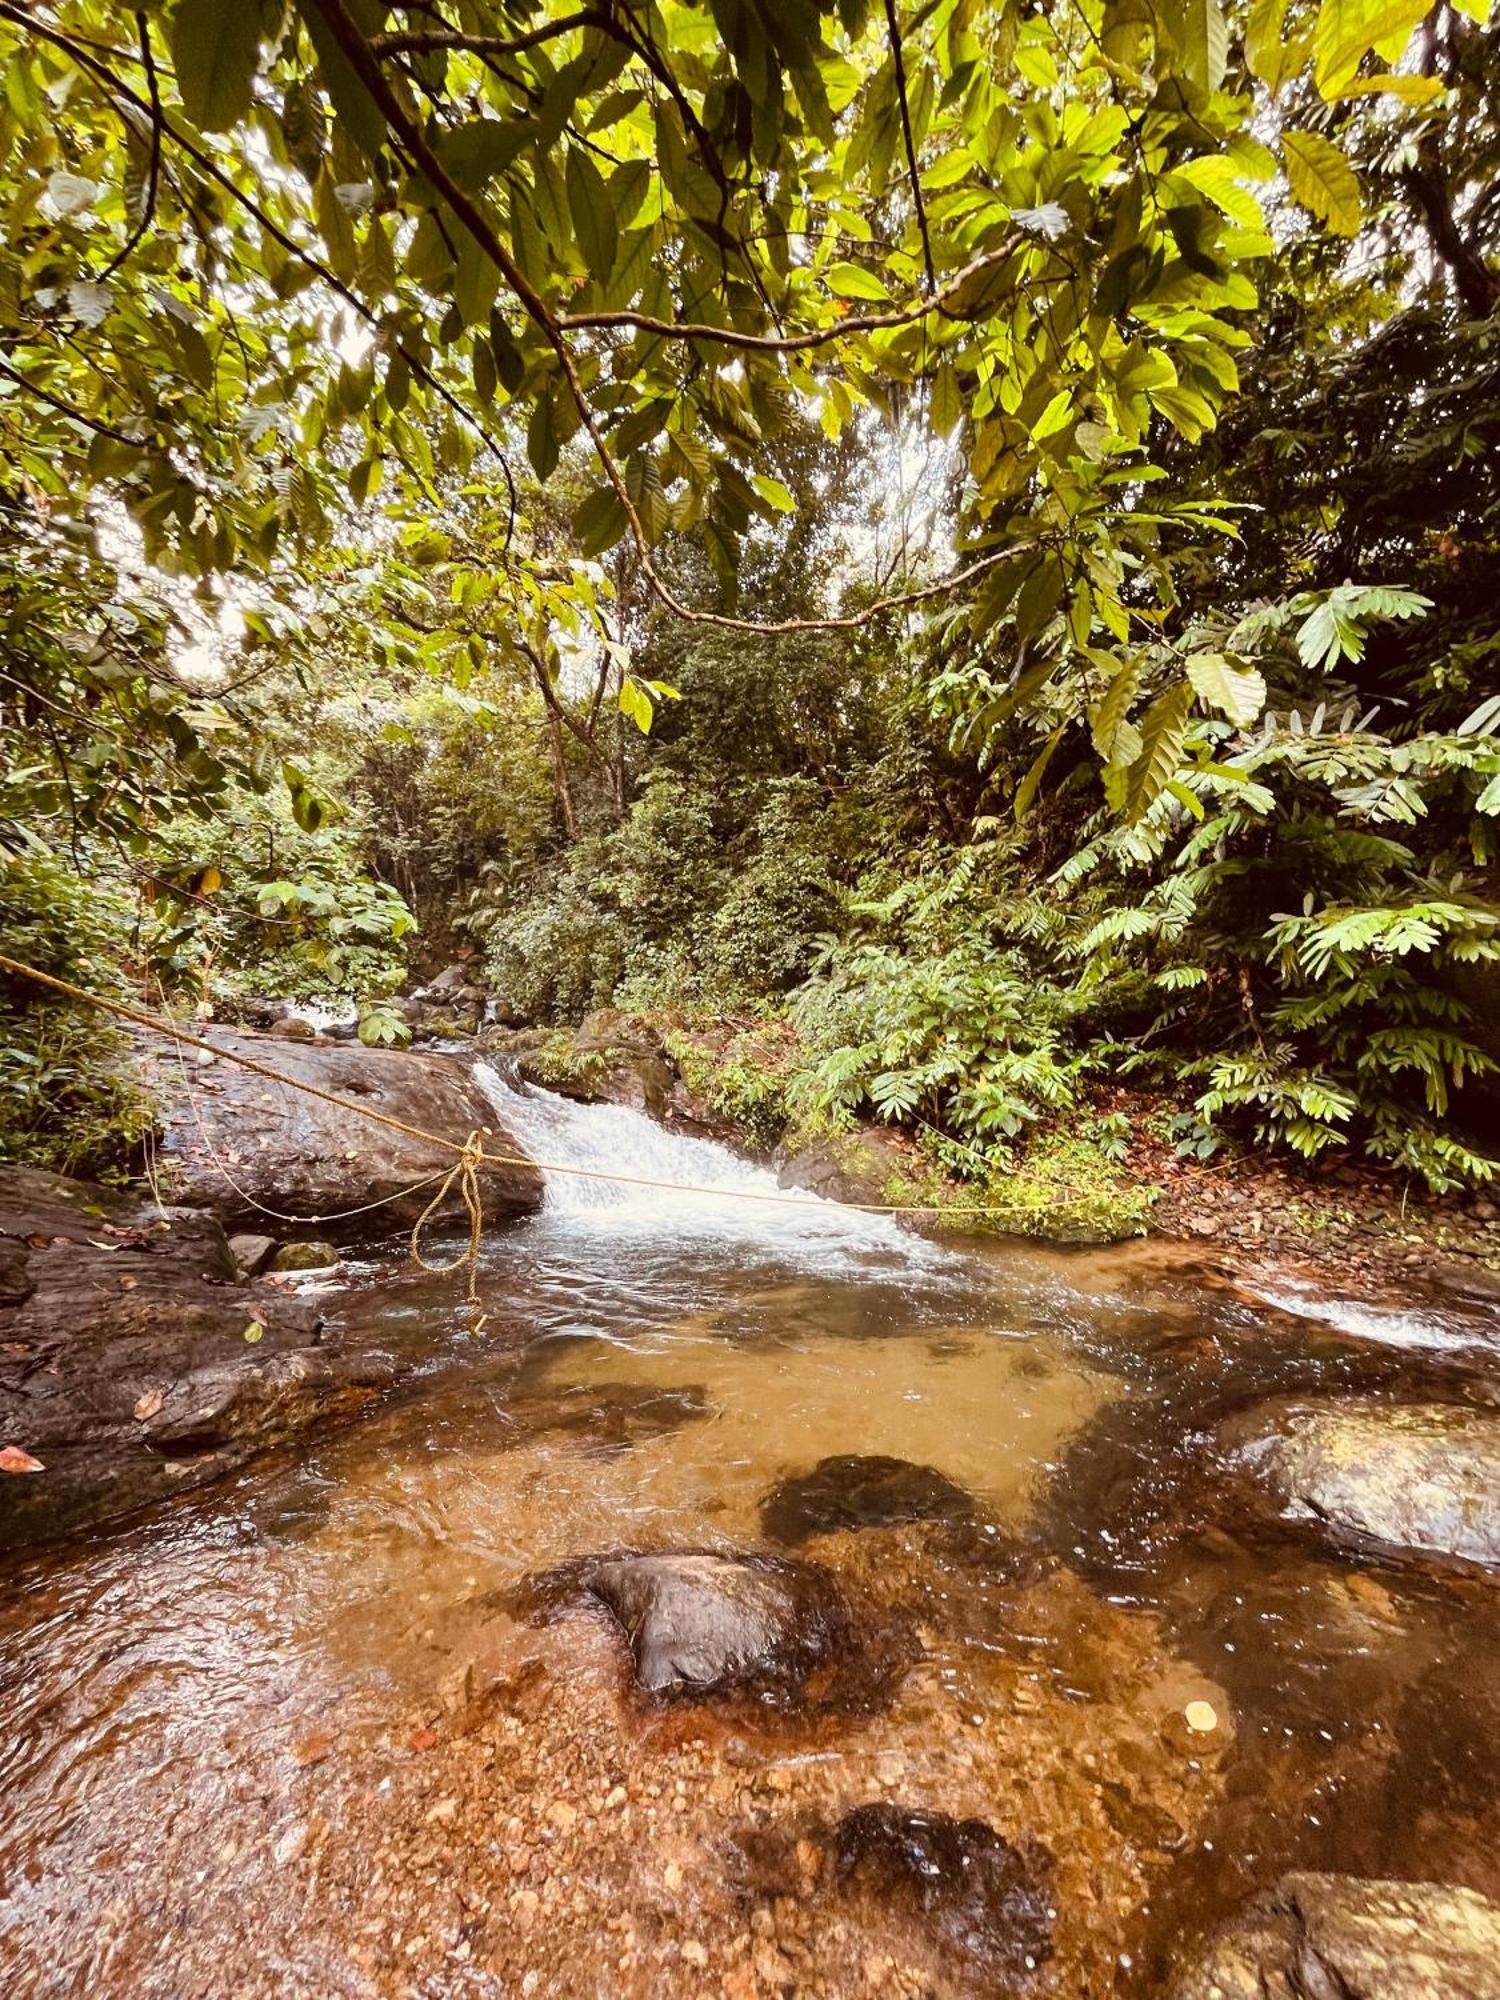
column 251, row 1253
column 1331, row 1937
column 306, row 1253
column 853, row 1490
column 699, row 1624
column 972, row 1892
column 1407, row 1479
column 136, row 1361
column 232, row 1138
column 858, row 1166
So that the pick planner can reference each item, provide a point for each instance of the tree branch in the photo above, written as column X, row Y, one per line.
column 71, row 409
column 425, row 41
column 893, row 28
column 798, row 343
column 154, row 172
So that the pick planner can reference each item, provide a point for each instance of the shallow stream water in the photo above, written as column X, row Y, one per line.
column 295, row 1736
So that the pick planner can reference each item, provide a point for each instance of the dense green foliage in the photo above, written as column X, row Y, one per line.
column 969, row 530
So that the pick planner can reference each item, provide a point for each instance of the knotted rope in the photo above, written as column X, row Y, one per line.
column 465, row 1170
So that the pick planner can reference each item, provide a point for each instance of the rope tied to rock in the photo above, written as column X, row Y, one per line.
column 465, row 1170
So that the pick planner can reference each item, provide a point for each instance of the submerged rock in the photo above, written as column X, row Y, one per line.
column 702, row 1624
column 606, row 1416
column 223, row 1124
column 1332, row 1937
column 1419, row 1479
column 136, row 1361
column 855, row 1491
column 972, row 1891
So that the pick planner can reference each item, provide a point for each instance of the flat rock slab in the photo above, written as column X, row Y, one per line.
column 136, row 1362
column 232, row 1138
column 698, row 1624
column 973, row 1892
column 856, row 1491
column 1332, row 1937
column 1409, row 1479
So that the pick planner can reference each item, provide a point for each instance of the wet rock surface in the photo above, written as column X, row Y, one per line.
column 986, row 1901
column 303, row 1156
column 1416, row 1479
column 699, row 1624
column 852, row 1490
column 853, row 1167
column 136, row 1363
column 1332, row 1937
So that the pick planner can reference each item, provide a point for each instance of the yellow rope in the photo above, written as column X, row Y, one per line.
column 465, row 1171
column 484, row 1157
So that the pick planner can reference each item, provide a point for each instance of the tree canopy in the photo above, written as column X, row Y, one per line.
column 556, row 356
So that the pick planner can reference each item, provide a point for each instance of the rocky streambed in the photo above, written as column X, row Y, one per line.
column 742, row 1600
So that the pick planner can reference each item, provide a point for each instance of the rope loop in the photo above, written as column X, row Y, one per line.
column 465, row 1170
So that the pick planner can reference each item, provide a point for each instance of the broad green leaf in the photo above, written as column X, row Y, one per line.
column 946, row 407
column 1348, row 30
column 1107, row 717
column 1026, row 791
column 594, row 223
column 1236, row 692
column 1322, row 180
column 851, row 281
column 215, row 48
column 1163, row 733
column 1217, row 177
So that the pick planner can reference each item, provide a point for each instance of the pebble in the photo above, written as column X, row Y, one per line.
column 616, row 1799
column 695, row 1953
column 291, row 1844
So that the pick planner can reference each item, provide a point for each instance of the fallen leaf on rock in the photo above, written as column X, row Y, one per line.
column 36, row 1241
column 255, row 1331
column 13, row 1459
column 148, row 1406
column 129, row 1284
column 423, row 1739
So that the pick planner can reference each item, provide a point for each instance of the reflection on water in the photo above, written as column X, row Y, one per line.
column 210, row 1756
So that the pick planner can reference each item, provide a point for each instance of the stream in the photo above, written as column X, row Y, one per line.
column 319, row 1731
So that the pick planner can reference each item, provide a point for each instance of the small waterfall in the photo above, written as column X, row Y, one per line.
column 611, row 1138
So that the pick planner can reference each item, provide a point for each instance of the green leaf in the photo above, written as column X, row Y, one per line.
column 850, row 281
column 946, row 408
column 1322, row 180
column 594, row 222
column 215, row 48
column 543, row 445
column 1163, row 733
column 1237, row 692
column 1107, row 717
column 1026, row 791
column 1348, row 30
column 476, row 281
column 358, row 114
column 599, row 522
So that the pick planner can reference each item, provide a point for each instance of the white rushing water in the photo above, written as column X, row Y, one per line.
column 743, row 1202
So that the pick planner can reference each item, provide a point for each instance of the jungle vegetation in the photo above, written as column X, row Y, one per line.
column 967, row 528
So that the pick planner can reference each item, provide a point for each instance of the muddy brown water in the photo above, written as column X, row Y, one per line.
column 286, row 1738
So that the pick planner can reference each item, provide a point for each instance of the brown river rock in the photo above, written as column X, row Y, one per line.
column 1332, row 1937
column 136, row 1361
column 1419, row 1479
column 231, row 1138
